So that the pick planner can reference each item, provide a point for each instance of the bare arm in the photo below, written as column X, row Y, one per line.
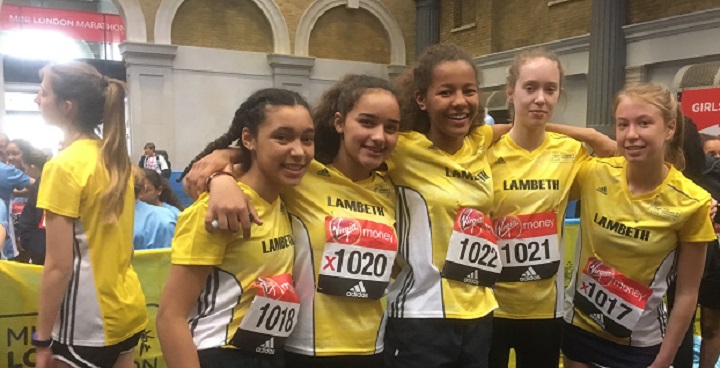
column 227, row 204
column 218, row 160
column 3, row 232
column 601, row 144
column 688, row 281
column 56, row 275
column 182, row 288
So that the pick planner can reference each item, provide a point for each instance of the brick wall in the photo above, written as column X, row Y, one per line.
column 507, row 24
column 647, row 10
column 519, row 23
column 350, row 34
column 222, row 24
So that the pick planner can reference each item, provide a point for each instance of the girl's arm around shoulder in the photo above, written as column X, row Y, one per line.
column 183, row 285
column 601, row 144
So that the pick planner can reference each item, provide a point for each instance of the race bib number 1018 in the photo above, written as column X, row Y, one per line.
column 472, row 255
column 271, row 318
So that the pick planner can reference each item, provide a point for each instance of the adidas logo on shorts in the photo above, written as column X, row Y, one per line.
column 472, row 278
column 529, row 275
column 602, row 190
column 499, row 161
column 357, row 291
column 324, row 172
column 267, row 348
column 598, row 318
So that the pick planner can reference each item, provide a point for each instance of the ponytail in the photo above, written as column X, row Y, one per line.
column 115, row 157
column 674, row 151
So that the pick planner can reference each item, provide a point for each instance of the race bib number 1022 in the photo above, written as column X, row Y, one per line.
column 472, row 255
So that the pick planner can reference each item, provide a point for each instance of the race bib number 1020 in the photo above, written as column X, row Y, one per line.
column 358, row 258
column 614, row 301
column 472, row 255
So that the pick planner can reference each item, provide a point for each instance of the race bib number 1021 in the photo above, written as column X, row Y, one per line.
column 472, row 255
column 529, row 246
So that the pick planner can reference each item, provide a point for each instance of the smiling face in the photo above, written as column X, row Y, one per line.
column 536, row 92
column 370, row 130
column 640, row 130
column 451, row 100
column 284, row 145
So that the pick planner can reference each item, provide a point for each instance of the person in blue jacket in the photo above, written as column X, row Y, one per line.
column 154, row 225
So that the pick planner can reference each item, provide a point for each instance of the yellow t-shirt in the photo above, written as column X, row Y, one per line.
column 531, row 194
column 238, row 262
column 437, row 194
column 104, row 303
column 344, row 239
column 628, row 250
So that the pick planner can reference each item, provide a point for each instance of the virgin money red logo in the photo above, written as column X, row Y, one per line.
column 345, row 231
column 471, row 222
column 270, row 287
column 601, row 272
column 508, row 227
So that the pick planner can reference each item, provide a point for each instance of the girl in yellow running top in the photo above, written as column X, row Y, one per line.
column 89, row 290
column 533, row 171
column 229, row 301
column 642, row 223
column 343, row 217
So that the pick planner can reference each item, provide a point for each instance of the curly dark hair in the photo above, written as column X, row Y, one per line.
column 340, row 98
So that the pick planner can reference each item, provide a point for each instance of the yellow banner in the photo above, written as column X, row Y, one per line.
column 19, row 290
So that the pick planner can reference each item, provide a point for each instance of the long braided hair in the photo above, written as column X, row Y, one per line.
column 250, row 115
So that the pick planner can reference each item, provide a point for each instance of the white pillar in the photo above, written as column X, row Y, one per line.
column 150, row 97
column 292, row 72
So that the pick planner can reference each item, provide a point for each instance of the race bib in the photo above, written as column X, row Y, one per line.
column 357, row 259
column 472, row 255
column 529, row 246
column 271, row 318
column 611, row 299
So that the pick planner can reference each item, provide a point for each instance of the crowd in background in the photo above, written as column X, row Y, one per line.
column 22, row 224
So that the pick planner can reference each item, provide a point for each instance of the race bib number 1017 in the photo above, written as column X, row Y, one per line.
column 614, row 301
column 472, row 255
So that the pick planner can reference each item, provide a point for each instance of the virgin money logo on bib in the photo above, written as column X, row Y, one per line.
column 471, row 222
column 601, row 272
column 345, row 230
column 508, row 227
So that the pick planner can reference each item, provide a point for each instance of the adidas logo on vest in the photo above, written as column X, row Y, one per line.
column 267, row 348
column 472, row 278
column 357, row 291
column 529, row 275
column 324, row 172
column 598, row 318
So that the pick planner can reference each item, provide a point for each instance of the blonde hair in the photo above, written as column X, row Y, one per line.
column 99, row 100
column 661, row 97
